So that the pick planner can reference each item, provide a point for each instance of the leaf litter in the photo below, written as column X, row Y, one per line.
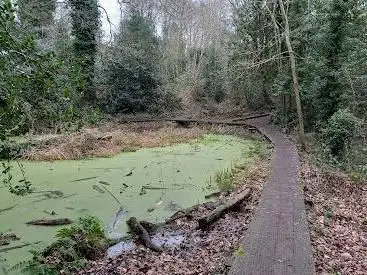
column 337, row 214
column 195, row 251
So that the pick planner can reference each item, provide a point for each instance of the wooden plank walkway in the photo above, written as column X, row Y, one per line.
column 277, row 241
column 233, row 122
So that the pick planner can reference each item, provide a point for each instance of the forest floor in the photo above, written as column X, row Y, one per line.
column 209, row 251
column 336, row 209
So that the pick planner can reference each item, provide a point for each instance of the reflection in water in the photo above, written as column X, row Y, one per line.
column 116, row 250
column 168, row 239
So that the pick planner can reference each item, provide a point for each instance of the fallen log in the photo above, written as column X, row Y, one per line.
column 130, row 173
column 83, row 179
column 53, row 222
column 106, row 137
column 6, row 249
column 182, row 213
column 137, row 228
column 187, row 212
column 214, row 215
column 98, row 189
column 150, row 227
column 104, row 182
column 251, row 116
column 213, row 195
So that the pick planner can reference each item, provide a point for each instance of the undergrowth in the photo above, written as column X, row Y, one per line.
column 341, row 145
column 10, row 149
column 257, row 150
column 73, row 248
column 225, row 179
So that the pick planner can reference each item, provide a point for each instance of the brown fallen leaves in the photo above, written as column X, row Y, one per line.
column 202, row 252
column 337, row 213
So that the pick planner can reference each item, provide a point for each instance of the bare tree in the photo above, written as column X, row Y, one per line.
column 294, row 73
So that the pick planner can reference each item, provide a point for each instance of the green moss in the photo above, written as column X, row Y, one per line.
column 257, row 149
column 240, row 252
column 208, row 139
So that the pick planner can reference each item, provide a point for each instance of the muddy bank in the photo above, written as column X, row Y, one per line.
column 197, row 250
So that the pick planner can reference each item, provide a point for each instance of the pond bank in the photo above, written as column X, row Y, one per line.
column 162, row 180
column 113, row 138
column 195, row 251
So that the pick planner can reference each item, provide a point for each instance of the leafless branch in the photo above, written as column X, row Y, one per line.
column 109, row 22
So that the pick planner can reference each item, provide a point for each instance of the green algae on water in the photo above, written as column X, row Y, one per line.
column 172, row 178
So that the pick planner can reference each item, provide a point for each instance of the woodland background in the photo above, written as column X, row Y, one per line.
column 58, row 71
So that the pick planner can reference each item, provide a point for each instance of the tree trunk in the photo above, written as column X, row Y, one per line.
column 294, row 74
column 205, row 221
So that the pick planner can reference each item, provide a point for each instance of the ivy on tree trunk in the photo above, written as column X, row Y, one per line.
column 85, row 25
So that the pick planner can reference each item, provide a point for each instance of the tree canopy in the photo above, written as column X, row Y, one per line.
column 303, row 62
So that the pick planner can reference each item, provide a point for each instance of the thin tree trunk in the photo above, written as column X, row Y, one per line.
column 294, row 74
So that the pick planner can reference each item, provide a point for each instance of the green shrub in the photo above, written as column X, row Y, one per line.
column 9, row 149
column 339, row 132
column 73, row 248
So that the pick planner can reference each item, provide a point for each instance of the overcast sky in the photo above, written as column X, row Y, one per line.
column 113, row 10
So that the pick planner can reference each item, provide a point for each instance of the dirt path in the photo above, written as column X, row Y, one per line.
column 278, row 241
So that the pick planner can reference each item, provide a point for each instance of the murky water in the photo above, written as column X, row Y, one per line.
column 151, row 184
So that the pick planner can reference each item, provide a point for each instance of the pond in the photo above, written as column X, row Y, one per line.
column 150, row 184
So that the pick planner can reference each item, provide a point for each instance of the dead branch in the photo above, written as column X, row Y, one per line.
column 55, row 222
column 137, row 228
column 205, row 221
column 187, row 212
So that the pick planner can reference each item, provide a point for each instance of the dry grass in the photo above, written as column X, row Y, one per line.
column 109, row 140
column 113, row 138
column 256, row 173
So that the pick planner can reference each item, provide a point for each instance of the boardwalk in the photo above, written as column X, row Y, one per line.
column 277, row 241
